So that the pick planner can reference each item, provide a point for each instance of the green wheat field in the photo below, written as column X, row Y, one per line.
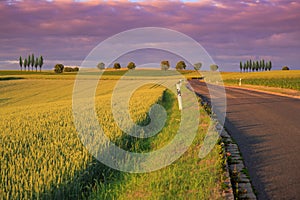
column 42, row 156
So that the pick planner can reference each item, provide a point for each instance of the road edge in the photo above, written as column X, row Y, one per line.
column 238, row 183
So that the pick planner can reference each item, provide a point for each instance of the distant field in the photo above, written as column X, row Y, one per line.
column 18, row 72
column 282, row 79
column 43, row 158
column 14, row 74
column 106, row 74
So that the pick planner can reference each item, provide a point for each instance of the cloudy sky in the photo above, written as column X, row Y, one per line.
column 66, row 31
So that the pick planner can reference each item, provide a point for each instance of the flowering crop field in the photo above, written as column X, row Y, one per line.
column 42, row 157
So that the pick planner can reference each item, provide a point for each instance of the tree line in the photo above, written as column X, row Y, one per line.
column 32, row 61
column 258, row 65
column 60, row 68
column 165, row 65
column 131, row 65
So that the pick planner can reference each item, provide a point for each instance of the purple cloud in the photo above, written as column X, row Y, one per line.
column 231, row 31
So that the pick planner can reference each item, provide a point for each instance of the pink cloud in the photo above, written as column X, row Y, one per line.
column 227, row 29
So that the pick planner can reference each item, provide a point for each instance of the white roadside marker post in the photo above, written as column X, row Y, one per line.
column 178, row 85
column 240, row 82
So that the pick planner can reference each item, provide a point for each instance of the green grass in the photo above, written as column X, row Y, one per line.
column 281, row 79
column 187, row 178
column 42, row 156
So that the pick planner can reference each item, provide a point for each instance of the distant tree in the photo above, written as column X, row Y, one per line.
column 285, row 68
column 214, row 67
column 260, row 65
column 32, row 61
column 165, row 65
column 59, row 68
column 101, row 66
column 244, row 67
column 267, row 66
column 263, row 65
column 41, row 62
column 36, row 63
column 197, row 66
column 68, row 69
column 253, row 66
column 25, row 64
column 117, row 66
column 20, row 62
column 28, row 62
column 180, row 65
column 257, row 65
column 270, row 65
column 131, row 65
column 249, row 66
column 71, row 69
column 241, row 66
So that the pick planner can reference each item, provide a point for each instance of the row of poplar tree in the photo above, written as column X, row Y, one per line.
column 259, row 65
column 31, row 61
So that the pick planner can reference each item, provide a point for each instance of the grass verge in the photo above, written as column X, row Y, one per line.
column 187, row 178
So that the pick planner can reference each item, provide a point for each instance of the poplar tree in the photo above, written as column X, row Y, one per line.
column 41, row 62
column 29, row 62
column 20, row 62
column 32, row 61
column 25, row 64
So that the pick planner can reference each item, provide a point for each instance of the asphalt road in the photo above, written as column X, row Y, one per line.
column 266, row 128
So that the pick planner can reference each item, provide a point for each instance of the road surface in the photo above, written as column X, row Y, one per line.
column 266, row 128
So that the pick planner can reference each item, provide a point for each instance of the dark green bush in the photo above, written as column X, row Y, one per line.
column 165, row 65
column 285, row 68
column 70, row 69
column 214, row 67
column 117, row 66
column 197, row 66
column 59, row 68
column 180, row 65
column 131, row 65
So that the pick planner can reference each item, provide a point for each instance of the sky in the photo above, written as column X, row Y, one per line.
column 66, row 31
